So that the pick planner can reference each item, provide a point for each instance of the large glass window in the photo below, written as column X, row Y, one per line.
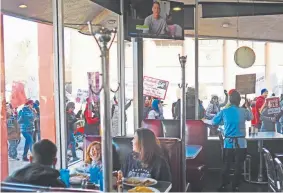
column 29, row 71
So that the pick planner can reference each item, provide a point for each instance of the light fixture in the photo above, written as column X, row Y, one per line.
column 226, row 25
column 23, row 6
column 177, row 9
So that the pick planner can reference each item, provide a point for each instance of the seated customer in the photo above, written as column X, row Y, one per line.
column 147, row 160
column 39, row 171
column 94, row 158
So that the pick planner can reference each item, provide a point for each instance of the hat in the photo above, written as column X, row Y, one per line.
column 29, row 102
column 231, row 91
column 263, row 91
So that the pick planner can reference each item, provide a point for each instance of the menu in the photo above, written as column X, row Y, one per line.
column 246, row 84
column 155, row 87
column 273, row 105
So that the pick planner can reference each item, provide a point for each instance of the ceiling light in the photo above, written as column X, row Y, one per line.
column 226, row 25
column 177, row 8
column 23, row 6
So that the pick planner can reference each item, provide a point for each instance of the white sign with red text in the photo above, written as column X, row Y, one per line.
column 273, row 105
column 155, row 87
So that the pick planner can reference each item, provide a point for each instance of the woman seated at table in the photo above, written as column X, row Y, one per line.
column 147, row 159
column 235, row 144
column 94, row 158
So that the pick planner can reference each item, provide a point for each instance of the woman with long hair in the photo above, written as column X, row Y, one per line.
column 147, row 159
column 235, row 144
column 93, row 157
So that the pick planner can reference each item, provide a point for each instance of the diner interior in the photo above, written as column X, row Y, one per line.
column 64, row 54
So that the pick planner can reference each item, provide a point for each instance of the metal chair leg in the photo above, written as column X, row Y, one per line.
column 247, row 173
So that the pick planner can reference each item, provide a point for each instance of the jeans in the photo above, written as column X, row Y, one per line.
column 72, row 142
column 28, row 143
column 238, row 157
column 13, row 145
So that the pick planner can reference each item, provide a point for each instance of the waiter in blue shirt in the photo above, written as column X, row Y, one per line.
column 235, row 145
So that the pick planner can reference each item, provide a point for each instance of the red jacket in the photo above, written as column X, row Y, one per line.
column 259, row 103
column 89, row 119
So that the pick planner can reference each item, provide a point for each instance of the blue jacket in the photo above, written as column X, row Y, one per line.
column 26, row 119
column 234, row 119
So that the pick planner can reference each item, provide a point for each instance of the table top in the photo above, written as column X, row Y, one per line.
column 265, row 136
column 192, row 151
column 162, row 186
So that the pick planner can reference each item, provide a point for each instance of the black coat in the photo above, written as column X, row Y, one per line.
column 36, row 174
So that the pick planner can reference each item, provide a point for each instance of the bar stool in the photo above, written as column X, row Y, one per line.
column 247, row 162
column 271, row 171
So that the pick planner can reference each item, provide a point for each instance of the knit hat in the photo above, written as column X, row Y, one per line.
column 29, row 102
column 231, row 91
column 263, row 91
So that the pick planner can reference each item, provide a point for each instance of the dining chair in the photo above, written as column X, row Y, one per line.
column 271, row 172
column 247, row 162
column 279, row 170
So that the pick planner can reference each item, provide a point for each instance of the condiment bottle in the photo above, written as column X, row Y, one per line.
column 119, row 181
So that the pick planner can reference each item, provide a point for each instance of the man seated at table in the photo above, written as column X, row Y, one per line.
column 235, row 144
column 40, row 171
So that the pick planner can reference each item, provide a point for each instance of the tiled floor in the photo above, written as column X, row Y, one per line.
column 212, row 181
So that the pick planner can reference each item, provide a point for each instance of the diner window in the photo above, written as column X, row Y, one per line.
column 29, row 89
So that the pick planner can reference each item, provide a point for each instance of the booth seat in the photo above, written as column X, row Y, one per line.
column 170, row 146
column 196, row 134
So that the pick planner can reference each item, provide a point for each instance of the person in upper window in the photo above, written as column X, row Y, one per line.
column 40, row 171
column 235, row 144
column 156, row 24
column 156, row 110
column 147, row 159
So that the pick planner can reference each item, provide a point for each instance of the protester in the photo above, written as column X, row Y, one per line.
column 14, row 132
column 258, row 106
column 156, row 110
column 147, row 159
column 214, row 106
column 40, row 171
column 235, row 144
column 115, row 115
column 26, row 119
column 36, row 134
column 267, row 121
column 72, row 118
column 92, row 118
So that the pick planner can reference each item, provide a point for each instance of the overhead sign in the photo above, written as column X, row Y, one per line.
column 155, row 87
column 273, row 105
column 245, row 84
